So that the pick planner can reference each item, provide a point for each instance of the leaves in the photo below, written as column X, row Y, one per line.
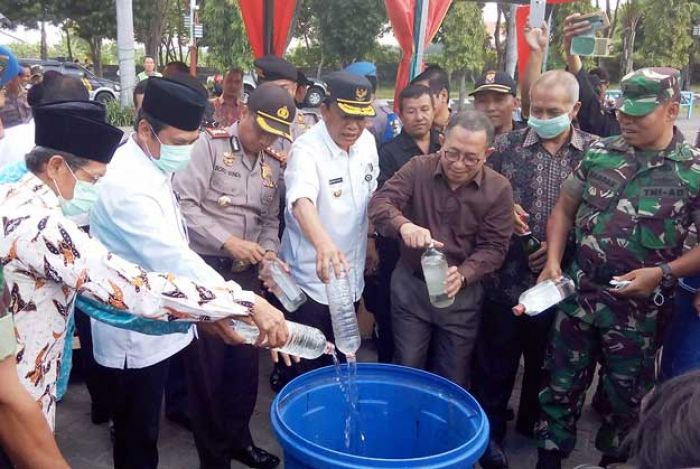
column 665, row 34
column 225, row 35
column 464, row 38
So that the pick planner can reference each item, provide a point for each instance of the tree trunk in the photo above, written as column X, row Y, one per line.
column 608, row 11
column 613, row 27
column 497, row 41
column 96, row 54
column 511, row 42
column 44, row 49
column 628, row 48
column 319, row 69
column 125, row 47
column 69, row 46
column 462, row 90
column 155, row 28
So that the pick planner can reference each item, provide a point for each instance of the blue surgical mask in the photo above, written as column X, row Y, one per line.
column 84, row 197
column 173, row 158
column 549, row 128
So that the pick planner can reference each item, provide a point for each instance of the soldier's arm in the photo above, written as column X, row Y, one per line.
column 689, row 263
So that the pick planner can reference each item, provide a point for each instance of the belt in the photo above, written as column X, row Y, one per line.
column 227, row 264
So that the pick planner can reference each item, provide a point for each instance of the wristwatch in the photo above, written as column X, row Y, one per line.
column 667, row 279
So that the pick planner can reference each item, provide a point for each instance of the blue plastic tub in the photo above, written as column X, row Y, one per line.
column 411, row 418
column 681, row 352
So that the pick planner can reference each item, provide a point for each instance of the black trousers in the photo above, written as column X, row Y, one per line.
column 377, row 296
column 222, row 386
column 136, row 397
column 502, row 340
column 94, row 374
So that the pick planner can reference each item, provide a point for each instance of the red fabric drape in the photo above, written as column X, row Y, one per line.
column 253, row 13
column 284, row 14
column 401, row 15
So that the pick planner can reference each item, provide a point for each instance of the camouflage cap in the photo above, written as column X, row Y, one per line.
column 645, row 89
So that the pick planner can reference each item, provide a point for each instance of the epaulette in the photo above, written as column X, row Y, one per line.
column 276, row 154
column 217, row 133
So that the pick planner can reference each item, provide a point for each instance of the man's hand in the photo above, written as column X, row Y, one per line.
column 644, row 282
column 372, row 257
column 265, row 275
column 286, row 359
column 454, row 283
column 271, row 323
column 551, row 271
column 417, row 237
column 223, row 329
column 537, row 259
column 329, row 256
column 537, row 38
column 573, row 28
column 244, row 250
column 521, row 216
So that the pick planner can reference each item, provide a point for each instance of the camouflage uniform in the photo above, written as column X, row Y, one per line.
column 635, row 209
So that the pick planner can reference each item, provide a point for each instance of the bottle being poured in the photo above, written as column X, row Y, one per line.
column 341, row 303
column 282, row 284
column 434, row 264
column 544, row 295
column 304, row 341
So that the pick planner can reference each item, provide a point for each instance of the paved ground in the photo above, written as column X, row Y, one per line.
column 87, row 446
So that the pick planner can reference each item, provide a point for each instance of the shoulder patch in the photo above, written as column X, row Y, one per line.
column 217, row 133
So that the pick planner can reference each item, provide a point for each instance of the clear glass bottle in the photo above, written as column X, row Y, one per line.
column 283, row 285
column 304, row 341
column 544, row 295
column 343, row 316
column 434, row 265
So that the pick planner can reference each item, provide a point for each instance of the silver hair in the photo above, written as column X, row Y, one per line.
column 37, row 158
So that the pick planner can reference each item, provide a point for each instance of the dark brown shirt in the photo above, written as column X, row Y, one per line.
column 474, row 221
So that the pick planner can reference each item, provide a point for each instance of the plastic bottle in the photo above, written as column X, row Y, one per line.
column 343, row 316
column 284, row 287
column 434, row 265
column 304, row 341
column 544, row 295
column 530, row 243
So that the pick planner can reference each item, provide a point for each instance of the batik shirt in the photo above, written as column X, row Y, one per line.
column 47, row 260
column 536, row 176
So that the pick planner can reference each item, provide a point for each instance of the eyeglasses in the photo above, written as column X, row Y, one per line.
column 452, row 156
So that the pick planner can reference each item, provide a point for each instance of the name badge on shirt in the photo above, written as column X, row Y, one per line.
column 334, row 182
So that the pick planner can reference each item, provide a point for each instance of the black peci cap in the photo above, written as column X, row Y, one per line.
column 78, row 128
column 273, row 108
column 175, row 103
column 352, row 93
column 499, row 82
column 271, row 68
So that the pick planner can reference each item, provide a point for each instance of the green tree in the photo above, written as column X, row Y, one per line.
column 464, row 39
column 665, row 34
column 150, row 21
column 33, row 14
column 225, row 34
column 556, row 55
column 348, row 31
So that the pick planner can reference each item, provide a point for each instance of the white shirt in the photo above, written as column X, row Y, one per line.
column 138, row 218
column 340, row 185
column 17, row 142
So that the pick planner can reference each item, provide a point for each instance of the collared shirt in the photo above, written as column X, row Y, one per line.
column 396, row 152
column 137, row 217
column 536, row 177
column 17, row 142
column 474, row 221
column 47, row 260
column 340, row 185
column 224, row 193
column 226, row 112
column 16, row 110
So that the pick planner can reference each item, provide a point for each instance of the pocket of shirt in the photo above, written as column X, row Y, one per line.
column 660, row 222
column 222, row 184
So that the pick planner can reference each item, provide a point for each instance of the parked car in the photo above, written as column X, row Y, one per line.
column 314, row 96
column 101, row 89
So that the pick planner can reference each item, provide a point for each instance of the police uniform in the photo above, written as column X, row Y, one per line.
column 635, row 207
column 227, row 192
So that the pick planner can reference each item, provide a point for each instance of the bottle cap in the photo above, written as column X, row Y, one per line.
column 519, row 309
